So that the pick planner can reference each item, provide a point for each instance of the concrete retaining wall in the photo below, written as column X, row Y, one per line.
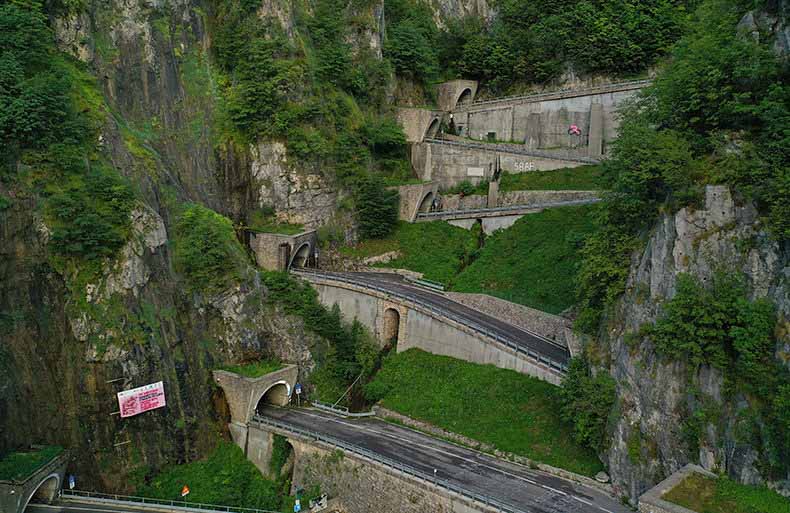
column 652, row 502
column 513, row 198
column 449, row 165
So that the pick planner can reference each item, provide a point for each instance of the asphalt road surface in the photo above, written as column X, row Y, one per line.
column 395, row 283
column 79, row 507
column 515, row 485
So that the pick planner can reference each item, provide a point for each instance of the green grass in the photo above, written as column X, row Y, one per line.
column 259, row 222
column 436, row 249
column 225, row 478
column 706, row 495
column 254, row 369
column 512, row 411
column 532, row 263
column 19, row 465
column 582, row 178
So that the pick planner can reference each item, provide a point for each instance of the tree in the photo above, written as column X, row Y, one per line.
column 377, row 209
column 587, row 401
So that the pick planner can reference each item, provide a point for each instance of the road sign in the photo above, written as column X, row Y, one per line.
column 297, row 506
column 72, row 482
column 185, row 491
column 298, row 388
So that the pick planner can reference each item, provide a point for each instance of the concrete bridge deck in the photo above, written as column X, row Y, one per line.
column 471, row 335
column 494, row 484
column 477, row 213
column 516, row 149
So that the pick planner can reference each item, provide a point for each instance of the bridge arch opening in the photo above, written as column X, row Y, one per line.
column 302, row 256
column 391, row 327
column 433, row 129
column 277, row 394
column 46, row 491
column 425, row 204
column 465, row 98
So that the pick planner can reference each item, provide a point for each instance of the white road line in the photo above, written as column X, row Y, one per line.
column 582, row 500
column 554, row 489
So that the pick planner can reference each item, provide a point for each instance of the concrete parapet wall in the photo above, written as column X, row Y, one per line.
column 514, row 198
column 652, row 502
column 426, row 330
column 457, row 202
column 451, row 164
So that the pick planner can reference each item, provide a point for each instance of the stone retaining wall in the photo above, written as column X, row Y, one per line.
column 652, row 500
column 553, row 327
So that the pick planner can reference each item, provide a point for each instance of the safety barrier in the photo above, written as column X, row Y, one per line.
column 147, row 501
column 508, row 148
column 472, row 211
column 406, row 469
column 530, row 352
column 565, row 93
column 341, row 410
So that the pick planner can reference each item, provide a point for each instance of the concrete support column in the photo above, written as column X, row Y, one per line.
column 493, row 194
column 595, row 137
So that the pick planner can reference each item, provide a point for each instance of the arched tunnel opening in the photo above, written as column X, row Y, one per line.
column 426, row 203
column 276, row 395
column 45, row 493
column 391, row 328
column 433, row 129
column 465, row 98
column 302, row 256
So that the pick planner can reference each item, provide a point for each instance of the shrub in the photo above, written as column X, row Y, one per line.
column 206, row 251
column 587, row 401
column 377, row 209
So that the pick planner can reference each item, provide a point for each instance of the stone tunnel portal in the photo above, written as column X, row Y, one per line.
column 425, row 204
column 433, row 129
column 302, row 256
column 465, row 98
column 46, row 491
column 278, row 395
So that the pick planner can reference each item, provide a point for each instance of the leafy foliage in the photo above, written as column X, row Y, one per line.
column 206, row 250
column 20, row 465
column 512, row 411
column 225, row 478
column 377, row 209
column 723, row 495
column 586, row 402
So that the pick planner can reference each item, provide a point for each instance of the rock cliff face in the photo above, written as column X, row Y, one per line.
column 653, row 394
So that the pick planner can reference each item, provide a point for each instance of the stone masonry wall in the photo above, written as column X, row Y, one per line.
column 364, row 486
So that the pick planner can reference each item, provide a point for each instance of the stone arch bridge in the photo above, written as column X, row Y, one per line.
column 411, row 316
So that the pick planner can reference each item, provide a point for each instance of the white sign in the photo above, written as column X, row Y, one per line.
column 475, row 171
column 141, row 399
column 525, row 166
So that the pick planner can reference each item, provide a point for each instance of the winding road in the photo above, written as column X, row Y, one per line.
column 395, row 284
column 521, row 488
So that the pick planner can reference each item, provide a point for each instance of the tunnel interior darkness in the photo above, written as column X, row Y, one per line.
column 45, row 492
column 302, row 256
column 391, row 326
column 465, row 98
column 433, row 129
column 277, row 394
column 425, row 204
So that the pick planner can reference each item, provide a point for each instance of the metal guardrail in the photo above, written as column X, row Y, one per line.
column 616, row 86
column 515, row 151
column 183, row 505
column 434, row 285
column 406, row 469
column 528, row 351
column 471, row 211
column 341, row 410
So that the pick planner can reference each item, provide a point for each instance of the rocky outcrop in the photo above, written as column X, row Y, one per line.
column 653, row 392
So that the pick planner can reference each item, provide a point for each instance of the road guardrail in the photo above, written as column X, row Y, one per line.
column 472, row 211
column 340, row 410
column 531, row 352
column 153, row 503
column 606, row 88
column 406, row 469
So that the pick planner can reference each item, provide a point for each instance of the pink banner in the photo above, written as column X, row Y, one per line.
column 141, row 399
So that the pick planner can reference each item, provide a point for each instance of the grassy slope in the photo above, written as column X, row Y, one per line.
column 580, row 178
column 225, row 478
column 19, row 465
column 436, row 249
column 254, row 369
column 532, row 263
column 514, row 412
column 706, row 495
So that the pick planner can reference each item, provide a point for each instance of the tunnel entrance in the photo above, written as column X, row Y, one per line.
column 278, row 395
column 433, row 129
column 391, row 327
column 426, row 203
column 302, row 256
column 46, row 491
column 465, row 98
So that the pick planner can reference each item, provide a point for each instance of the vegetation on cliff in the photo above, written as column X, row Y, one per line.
column 722, row 495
